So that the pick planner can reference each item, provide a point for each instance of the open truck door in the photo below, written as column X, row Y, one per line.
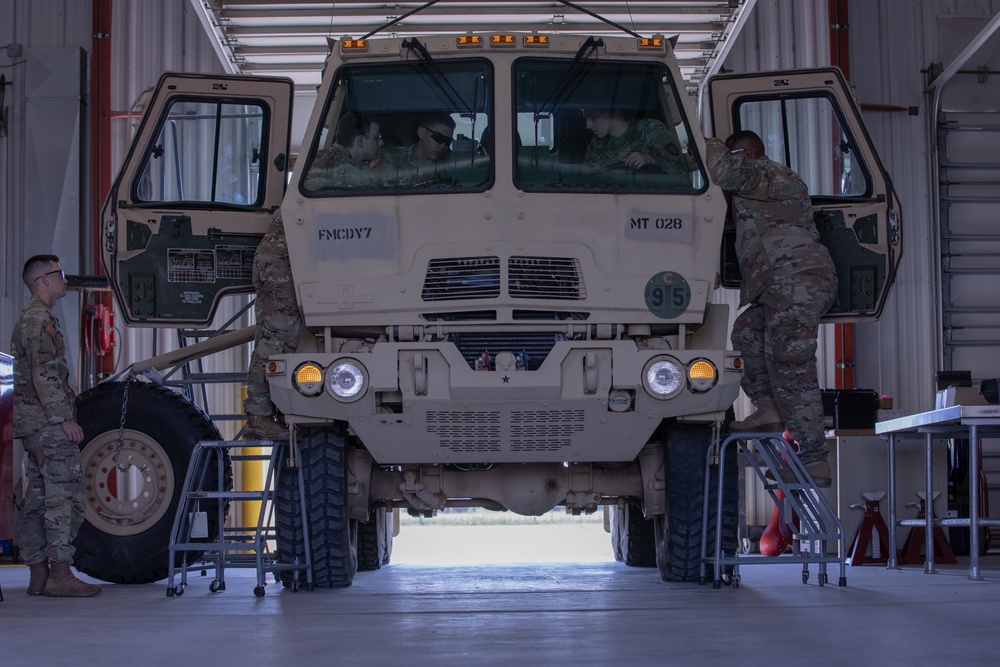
column 810, row 121
column 205, row 172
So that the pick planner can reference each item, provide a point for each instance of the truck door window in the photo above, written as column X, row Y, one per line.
column 608, row 125
column 433, row 124
column 807, row 134
column 205, row 151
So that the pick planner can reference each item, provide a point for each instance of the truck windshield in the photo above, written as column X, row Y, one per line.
column 603, row 125
column 403, row 127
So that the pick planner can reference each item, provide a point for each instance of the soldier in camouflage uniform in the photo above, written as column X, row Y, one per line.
column 279, row 325
column 422, row 162
column 45, row 421
column 789, row 282
column 635, row 144
column 350, row 162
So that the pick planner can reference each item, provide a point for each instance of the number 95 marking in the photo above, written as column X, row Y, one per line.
column 667, row 294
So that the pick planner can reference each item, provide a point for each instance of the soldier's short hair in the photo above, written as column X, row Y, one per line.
column 354, row 124
column 33, row 265
column 748, row 139
column 439, row 118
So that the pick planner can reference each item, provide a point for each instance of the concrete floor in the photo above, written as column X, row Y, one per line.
column 597, row 613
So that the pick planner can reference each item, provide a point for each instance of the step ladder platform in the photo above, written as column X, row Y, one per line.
column 818, row 527
column 206, row 493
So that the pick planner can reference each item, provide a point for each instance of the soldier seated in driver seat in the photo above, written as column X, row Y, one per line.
column 620, row 141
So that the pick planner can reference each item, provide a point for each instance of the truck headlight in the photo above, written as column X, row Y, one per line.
column 702, row 375
column 308, row 379
column 663, row 377
column 346, row 380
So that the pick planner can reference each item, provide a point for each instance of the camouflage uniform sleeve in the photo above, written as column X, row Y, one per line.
column 749, row 178
column 662, row 145
column 47, row 369
column 732, row 172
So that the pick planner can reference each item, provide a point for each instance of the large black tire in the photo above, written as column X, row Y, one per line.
column 375, row 540
column 332, row 534
column 127, row 540
column 678, row 534
column 632, row 536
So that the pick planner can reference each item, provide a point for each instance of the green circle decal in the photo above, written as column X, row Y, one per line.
column 667, row 294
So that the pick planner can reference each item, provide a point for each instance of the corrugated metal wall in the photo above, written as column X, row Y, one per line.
column 893, row 42
column 25, row 227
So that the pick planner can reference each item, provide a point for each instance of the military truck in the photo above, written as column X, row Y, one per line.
column 523, row 329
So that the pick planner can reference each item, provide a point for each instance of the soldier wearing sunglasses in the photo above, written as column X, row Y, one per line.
column 45, row 421
column 423, row 160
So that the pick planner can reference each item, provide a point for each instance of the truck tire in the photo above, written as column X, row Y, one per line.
column 332, row 534
column 678, row 534
column 126, row 540
column 632, row 536
column 375, row 540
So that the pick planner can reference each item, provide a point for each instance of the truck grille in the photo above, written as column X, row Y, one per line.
column 536, row 346
column 466, row 431
column 457, row 278
column 530, row 430
column 462, row 278
column 555, row 278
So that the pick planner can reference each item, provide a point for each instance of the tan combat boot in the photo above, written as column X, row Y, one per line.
column 264, row 428
column 62, row 584
column 39, row 577
column 765, row 419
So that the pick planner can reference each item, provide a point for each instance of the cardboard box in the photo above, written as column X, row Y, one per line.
column 952, row 396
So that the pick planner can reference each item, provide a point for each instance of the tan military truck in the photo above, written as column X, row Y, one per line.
column 527, row 322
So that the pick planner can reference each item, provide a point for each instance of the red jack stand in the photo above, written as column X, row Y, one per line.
column 871, row 526
column 910, row 553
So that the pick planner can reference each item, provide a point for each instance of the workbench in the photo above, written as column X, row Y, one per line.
column 960, row 421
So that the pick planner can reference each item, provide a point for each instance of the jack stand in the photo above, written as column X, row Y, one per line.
column 909, row 554
column 872, row 533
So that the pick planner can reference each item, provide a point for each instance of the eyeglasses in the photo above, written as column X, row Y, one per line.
column 737, row 151
column 377, row 137
column 442, row 139
column 62, row 274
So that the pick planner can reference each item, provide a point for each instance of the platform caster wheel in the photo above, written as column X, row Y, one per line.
column 736, row 582
column 178, row 590
column 216, row 586
column 842, row 581
column 716, row 584
column 805, row 576
column 258, row 591
column 295, row 587
column 822, row 579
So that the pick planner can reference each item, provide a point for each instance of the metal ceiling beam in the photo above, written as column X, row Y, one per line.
column 451, row 28
column 275, row 36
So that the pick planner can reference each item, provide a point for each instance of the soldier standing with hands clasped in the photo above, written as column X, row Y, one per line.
column 45, row 421
column 789, row 282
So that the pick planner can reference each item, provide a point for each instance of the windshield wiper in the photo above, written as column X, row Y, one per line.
column 574, row 73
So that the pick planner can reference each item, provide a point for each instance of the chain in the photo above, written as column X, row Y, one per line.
column 121, row 425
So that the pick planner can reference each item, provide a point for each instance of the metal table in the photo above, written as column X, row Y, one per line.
column 960, row 421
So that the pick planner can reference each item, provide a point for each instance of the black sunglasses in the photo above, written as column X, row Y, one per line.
column 442, row 139
column 61, row 273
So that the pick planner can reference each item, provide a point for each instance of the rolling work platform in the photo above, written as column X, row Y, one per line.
column 818, row 523
column 199, row 525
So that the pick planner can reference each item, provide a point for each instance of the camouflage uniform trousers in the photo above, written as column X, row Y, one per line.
column 54, row 502
column 279, row 322
column 777, row 337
